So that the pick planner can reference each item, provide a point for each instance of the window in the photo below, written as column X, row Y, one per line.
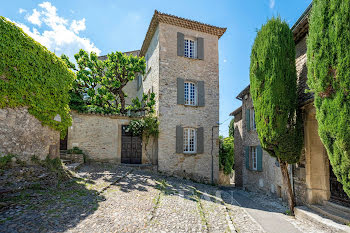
column 254, row 157
column 189, row 140
column 190, row 94
column 253, row 119
column 190, row 48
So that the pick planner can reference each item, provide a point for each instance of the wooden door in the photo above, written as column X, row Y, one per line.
column 131, row 148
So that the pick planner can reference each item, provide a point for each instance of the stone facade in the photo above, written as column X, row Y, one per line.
column 171, row 114
column 99, row 137
column 269, row 179
column 24, row 135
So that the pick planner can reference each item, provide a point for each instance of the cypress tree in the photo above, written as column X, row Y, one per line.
column 273, row 87
column 328, row 55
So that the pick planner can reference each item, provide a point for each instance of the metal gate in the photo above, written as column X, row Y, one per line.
column 337, row 192
column 131, row 147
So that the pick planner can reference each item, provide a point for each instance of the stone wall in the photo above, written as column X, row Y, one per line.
column 269, row 180
column 99, row 136
column 171, row 67
column 24, row 135
column 239, row 154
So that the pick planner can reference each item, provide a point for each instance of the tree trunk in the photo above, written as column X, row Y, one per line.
column 286, row 181
column 122, row 101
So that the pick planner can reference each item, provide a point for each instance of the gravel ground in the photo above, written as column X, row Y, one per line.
column 111, row 198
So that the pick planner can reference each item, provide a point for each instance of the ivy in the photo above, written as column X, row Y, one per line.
column 34, row 77
column 328, row 59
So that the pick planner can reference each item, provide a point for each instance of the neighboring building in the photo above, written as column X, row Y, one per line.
column 255, row 169
column 313, row 180
column 182, row 70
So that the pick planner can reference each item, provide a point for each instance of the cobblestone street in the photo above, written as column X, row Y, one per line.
column 110, row 198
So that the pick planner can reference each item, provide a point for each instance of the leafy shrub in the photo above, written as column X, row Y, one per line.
column 32, row 76
column 5, row 160
column 226, row 154
column 328, row 59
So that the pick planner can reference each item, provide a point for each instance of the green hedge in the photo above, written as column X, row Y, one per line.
column 32, row 76
column 328, row 56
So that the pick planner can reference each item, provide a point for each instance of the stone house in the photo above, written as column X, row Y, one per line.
column 312, row 178
column 182, row 70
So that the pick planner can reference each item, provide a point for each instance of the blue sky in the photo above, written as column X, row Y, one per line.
column 65, row 26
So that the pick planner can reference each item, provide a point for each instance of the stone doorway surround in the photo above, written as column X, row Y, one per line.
column 316, row 160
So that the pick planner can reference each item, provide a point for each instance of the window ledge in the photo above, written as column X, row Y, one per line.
column 189, row 153
column 196, row 59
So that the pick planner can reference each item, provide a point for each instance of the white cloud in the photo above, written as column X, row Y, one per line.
column 272, row 4
column 21, row 10
column 225, row 60
column 34, row 18
column 77, row 26
column 59, row 37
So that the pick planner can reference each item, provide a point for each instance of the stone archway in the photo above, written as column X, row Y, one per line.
column 316, row 158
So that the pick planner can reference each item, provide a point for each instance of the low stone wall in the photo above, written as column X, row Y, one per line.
column 24, row 135
column 99, row 137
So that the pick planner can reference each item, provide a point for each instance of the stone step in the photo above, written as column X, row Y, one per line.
column 305, row 213
column 73, row 166
column 337, row 206
column 65, row 161
column 332, row 213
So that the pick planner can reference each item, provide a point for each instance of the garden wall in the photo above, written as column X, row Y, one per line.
column 100, row 137
column 24, row 135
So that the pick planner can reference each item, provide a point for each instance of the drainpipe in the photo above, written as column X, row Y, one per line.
column 212, row 148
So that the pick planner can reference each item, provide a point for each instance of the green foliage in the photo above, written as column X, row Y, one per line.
column 146, row 104
column 32, row 76
column 147, row 126
column 328, row 59
column 75, row 150
column 5, row 161
column 273, row 87
column 231, row 128
column 226, row 154
column 102, row 82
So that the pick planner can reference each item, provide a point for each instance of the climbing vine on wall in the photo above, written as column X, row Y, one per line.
column 34, row 77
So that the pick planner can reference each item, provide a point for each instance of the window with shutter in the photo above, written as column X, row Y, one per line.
column 254, row 157
column 190, row 93
column 190, row 140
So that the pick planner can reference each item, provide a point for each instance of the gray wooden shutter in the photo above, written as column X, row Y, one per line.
column 201, row 93
column 247, row 119
column 259, row 158
column 200, row 48
column 246, row 153
column 179, row 139
column 200, row 140
column 180, row 44
column 180, row 91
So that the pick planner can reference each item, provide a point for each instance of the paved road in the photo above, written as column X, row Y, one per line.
column 121, row 199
